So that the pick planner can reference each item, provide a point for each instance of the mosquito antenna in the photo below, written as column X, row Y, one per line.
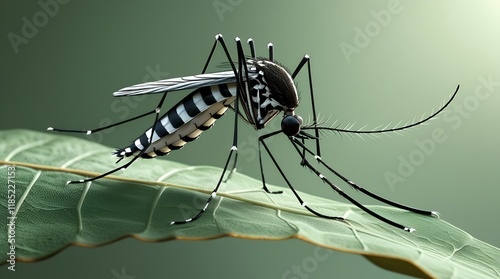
column 347, row 129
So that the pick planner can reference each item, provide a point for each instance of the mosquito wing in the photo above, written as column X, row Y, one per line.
column 174, row 84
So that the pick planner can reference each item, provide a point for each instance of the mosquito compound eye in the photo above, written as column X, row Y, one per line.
column 290, row 125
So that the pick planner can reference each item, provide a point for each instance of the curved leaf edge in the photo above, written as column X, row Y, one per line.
column 395, row 264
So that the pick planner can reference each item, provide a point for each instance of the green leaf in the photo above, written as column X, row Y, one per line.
column 141, row 201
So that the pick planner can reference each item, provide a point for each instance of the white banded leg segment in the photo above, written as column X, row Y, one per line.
column 363, row 190
column 199, row 104
column 342, row 193
column 212, row 196
column 287, row 181
column 119, row 151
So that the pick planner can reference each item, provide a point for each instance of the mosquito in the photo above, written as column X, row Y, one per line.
column 260, row 87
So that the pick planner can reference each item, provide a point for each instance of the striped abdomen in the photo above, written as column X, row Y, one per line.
column 184, row 122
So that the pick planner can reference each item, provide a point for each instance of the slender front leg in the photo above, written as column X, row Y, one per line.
column 300, row 147
column 307, row 59
column 263, row 179
column 301, row 201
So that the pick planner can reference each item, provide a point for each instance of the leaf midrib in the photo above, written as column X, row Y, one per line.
column 159, row 183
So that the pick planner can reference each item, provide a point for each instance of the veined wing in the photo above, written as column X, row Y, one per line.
column 174, row 84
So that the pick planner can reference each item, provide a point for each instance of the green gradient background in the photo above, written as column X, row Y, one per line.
column 65, row 74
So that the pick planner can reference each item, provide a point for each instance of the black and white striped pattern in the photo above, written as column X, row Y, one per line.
column 272, row 90
column 199, row 110
column 264, row 107
column 184, row 122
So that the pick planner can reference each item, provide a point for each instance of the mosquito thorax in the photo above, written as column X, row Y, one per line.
column 274, row 91
column 280, row 83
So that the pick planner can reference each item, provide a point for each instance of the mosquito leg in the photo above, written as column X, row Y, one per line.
column 234, row 147
column 88, row 132
column 242, row 70
column 156, row 111
column 216, row 189
column 270, row 48
column 219, row 40
column 344, row 195
column 212, row 196
column 353, row 201
column 307, row 59
column 302, row 203
column 263, row 179
column 252, row 48
column 363, row 190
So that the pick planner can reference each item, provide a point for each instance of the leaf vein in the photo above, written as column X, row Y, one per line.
column 26, row 192
column 78, row 158
column 172, row 172
column 215, row 216
column 80, row 205
column 25, row 147
column 152, row 209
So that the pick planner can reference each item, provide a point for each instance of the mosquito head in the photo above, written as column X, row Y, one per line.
column 291, row 123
